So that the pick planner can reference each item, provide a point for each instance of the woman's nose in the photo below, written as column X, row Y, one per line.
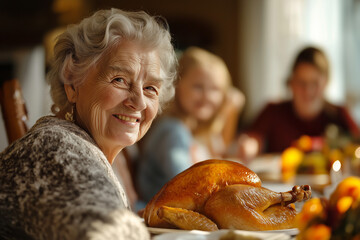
column 136, row 100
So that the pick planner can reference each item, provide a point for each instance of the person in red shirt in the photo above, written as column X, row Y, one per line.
column 307, row 113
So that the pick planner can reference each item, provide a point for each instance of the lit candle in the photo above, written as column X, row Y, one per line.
column 357, row 152
column 335, row 173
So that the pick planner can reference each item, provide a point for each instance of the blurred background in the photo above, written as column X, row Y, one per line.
column 257, row 39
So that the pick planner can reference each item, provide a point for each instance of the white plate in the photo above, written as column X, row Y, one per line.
column 202, row 235
column 291, row 231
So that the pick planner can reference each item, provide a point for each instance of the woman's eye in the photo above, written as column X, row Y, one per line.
column 119, row 79
column 152, row 89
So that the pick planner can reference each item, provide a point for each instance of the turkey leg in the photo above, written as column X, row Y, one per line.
column 298, row 193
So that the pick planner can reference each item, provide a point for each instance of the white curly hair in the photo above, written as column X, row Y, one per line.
column 81, row 46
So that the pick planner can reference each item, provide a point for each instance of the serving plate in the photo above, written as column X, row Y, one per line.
column 290, row 231
column 174, row 234
column 153, row 230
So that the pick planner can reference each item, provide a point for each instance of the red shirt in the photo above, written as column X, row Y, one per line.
column 278, row 125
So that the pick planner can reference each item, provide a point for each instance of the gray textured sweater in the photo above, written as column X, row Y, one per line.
column 55, row 183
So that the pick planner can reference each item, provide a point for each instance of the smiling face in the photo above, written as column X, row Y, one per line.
column 308, row 86
column 119, row 99
column 200, row 92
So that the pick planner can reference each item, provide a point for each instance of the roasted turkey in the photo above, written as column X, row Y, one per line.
column 216, row 194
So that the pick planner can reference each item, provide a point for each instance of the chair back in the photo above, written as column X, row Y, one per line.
column 13, row 109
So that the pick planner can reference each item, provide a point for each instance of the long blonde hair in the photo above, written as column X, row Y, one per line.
column 195, row 57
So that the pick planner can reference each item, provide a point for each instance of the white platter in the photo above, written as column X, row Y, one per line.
column 174, row 234
column 291, row 231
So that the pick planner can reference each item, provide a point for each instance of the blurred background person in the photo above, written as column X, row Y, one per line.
column 308, row 112
column 193, row 127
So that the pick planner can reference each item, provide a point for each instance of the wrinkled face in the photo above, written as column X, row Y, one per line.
column 308, row 85
column 200, row 92
column 118, row 101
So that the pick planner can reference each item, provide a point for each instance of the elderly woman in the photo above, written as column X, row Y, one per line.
column 111, row 75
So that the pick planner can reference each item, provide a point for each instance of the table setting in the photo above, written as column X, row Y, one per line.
column 328, row 206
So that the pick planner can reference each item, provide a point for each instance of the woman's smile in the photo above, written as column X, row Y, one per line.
column 127, row 118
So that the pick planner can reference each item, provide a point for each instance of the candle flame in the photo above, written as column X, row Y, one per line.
column 357, row 152
column 336, row 166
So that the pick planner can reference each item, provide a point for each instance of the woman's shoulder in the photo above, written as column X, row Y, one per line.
column 332, row 108
column 338, row 112
column 48, row 137
column 57, row 128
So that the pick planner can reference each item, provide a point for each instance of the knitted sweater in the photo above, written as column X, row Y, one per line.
column 55, row 183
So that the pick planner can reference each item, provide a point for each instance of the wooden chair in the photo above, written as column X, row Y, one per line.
column 13, row 109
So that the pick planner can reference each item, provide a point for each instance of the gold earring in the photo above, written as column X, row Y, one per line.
column 69, row 116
